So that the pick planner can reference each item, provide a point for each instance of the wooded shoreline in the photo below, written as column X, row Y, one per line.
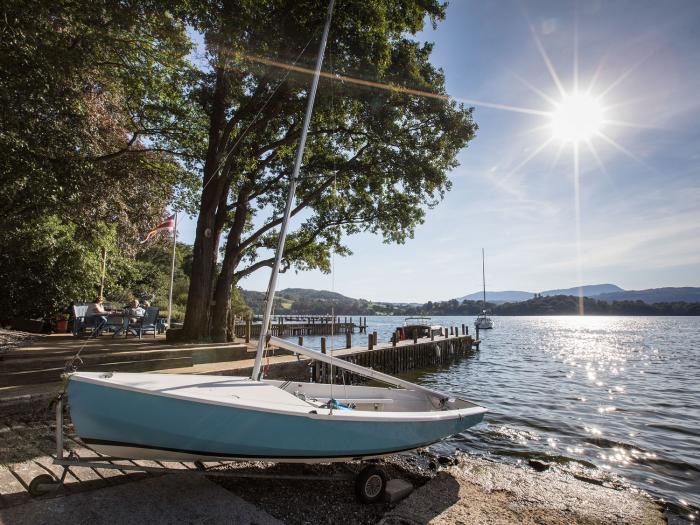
column 551, row 305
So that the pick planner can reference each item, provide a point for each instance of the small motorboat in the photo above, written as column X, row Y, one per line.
column 421, row 326
column 483, row 322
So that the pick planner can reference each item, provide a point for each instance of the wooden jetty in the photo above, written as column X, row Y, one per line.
column 391, row 358
column 398, row 356
column 286, row 325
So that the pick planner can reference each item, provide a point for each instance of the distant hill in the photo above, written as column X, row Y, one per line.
column 686, row 294
column 570, row 305
column 499, row 297
column 317, row 295
column 658, row 301
column 514, row 296
column 590, row 290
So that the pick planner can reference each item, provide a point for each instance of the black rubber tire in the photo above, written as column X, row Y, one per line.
column 370, row 484
column 42, row 479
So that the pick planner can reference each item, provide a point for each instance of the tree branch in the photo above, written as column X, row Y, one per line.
column 304, row 203
column 310, row 240
column 120, row 152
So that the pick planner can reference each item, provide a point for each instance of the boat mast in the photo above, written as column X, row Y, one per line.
column 270, row 297
column 483, row 278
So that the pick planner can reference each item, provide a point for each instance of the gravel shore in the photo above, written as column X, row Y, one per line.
column 459, row 489
column 476, row 490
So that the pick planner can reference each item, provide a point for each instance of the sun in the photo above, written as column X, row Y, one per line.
column 578, row 117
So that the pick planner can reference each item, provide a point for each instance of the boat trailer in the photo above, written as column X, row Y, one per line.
column 370, row 480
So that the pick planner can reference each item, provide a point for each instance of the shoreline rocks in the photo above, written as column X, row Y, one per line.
column 476, row 490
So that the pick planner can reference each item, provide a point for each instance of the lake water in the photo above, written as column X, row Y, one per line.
column 622, row 393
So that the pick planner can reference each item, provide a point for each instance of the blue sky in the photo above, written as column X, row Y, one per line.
column 639, row 188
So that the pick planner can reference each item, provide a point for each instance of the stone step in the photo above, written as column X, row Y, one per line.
column 49, row 347
column 26, row 399
column 51, row 374
column 198, row 355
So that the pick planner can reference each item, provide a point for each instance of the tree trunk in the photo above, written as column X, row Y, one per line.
column 206, row 242
column 224, row 283
column 222, row 301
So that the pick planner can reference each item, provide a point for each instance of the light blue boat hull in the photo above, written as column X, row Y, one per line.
column 162, row 427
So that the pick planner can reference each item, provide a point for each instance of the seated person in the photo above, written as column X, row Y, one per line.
column 96, row 312
column 135, row 312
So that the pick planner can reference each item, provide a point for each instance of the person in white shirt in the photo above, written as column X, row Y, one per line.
column 135, row 311
column 96, row 313
column 95, row 309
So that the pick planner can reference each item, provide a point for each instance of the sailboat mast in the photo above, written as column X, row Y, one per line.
column 270, row 297
column 483, row 276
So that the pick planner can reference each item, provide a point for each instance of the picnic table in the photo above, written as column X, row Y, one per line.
column 118, row 321
column 121, row 319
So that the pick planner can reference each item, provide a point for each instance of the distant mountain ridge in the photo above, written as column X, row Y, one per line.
column 590, row 290
column 688, row 294
column 603, row 292
column 498, row 297
column 670, row 301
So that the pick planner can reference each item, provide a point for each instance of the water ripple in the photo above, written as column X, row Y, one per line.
column 619, row 393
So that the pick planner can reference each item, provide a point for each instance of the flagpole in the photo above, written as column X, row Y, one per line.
column 172, row 274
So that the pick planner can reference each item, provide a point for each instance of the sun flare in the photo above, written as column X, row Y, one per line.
column 576, row 118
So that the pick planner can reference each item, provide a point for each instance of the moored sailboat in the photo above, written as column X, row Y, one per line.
column 483, row 321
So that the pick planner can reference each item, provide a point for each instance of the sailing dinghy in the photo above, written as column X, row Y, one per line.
column 204, row 418
column 199, row 417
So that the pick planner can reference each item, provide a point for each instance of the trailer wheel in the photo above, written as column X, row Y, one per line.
column 370, row 484
column 42, row 484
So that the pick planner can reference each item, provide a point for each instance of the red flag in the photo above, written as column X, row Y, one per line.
column 168, row 224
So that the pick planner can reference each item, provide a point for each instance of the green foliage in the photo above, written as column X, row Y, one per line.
column 238, row 304
column 81, row 85
column 154, row 265
column 43, row 268
column 377, row 156
column 105, row 121
column 91, row 92
column 569, row 305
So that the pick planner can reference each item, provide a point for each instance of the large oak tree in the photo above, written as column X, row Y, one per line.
column 383, row 137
